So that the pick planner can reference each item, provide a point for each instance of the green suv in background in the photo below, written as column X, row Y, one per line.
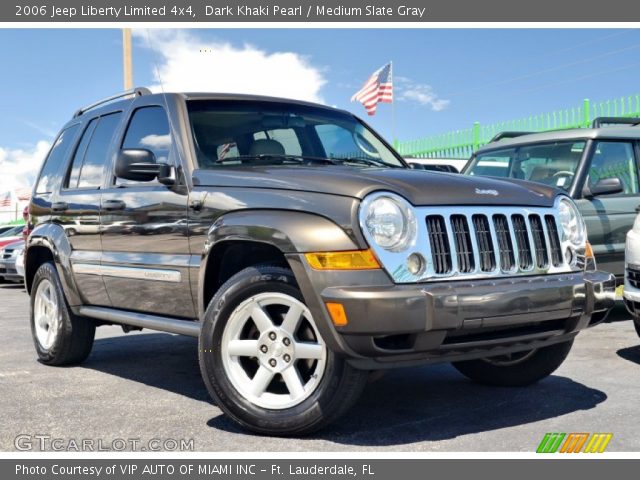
column 597, row 167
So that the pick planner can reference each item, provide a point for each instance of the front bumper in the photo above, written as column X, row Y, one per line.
column 392, row 324
column 631, row 293
column 8, row 269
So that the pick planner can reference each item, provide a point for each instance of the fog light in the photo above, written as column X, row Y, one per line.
column 415, row 263
column 568, row 256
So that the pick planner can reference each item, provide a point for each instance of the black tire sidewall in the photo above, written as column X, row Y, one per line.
column 47, row 271
column 301, row 417
column 540, row 365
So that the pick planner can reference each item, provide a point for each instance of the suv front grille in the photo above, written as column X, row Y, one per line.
column 517, row 241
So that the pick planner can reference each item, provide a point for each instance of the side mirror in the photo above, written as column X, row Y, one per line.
column 605, row 186
column 139, row 164
column 416, row 165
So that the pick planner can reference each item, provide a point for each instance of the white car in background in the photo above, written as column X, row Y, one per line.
column 631, row 293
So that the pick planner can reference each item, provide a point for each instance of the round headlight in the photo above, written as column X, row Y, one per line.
column 390, row 222
column 573, row 227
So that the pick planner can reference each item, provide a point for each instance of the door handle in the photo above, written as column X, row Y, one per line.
column 59, row 207
column 114, row 205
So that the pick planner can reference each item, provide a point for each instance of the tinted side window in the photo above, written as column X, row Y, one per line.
column 55, row 160
column 615, row 160
column 149, row 129
column 78, row 157
column 95, row 158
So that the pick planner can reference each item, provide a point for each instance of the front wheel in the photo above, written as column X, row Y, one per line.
column 264, row 360
column 516, row 369
column 60, row 336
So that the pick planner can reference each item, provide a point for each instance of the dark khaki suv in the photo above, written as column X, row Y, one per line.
column 302, row 252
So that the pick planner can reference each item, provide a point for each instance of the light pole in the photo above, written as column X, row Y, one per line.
column 126, row 58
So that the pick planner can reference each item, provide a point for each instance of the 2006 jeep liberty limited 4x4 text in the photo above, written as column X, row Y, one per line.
column 302, row 252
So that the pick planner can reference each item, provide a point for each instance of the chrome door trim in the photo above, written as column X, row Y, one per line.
column 155, row 274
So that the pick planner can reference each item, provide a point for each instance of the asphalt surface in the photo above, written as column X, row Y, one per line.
column 143, row 386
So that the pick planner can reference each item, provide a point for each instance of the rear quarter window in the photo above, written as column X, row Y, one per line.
column 51, row 172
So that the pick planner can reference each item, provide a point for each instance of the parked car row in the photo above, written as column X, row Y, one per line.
column 11, row 253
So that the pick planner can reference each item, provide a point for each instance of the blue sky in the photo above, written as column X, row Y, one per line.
column 468, row 75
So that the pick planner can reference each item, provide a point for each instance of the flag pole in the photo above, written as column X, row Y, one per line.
column 393, row 109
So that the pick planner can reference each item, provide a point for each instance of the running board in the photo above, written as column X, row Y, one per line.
column 152, row 322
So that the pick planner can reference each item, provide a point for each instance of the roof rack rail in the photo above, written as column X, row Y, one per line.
column 136, row 92
column 600, row 121
column 508, row 134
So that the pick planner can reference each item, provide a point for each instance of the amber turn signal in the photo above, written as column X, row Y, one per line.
column 348, row 260
column 588, row 251
column 337, row 313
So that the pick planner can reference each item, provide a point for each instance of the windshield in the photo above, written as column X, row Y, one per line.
column 13, row 231
column 550, row 163
column 237, row 133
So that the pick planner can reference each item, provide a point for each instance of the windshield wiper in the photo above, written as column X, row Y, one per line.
column 365, row 161
column 267, row 156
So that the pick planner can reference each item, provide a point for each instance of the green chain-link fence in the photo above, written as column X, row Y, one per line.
column 462, row 143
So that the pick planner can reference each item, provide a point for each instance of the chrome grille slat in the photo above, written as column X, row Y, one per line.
column 462, row 241
column 475, row 248
column 521, row 232
column 485, row 242
column 504, row 242
column 553, row 240
column 540, row 241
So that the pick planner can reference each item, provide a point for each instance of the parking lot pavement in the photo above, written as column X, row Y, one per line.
column 147, row 386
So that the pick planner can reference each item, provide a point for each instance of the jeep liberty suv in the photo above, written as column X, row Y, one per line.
column 301, row 250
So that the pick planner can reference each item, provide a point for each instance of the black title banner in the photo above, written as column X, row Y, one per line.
column 317, row 11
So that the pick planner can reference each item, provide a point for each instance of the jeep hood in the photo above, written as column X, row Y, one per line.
column 419, row 187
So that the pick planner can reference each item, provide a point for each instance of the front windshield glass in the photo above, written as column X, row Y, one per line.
column 238, row 133
column 550, row 163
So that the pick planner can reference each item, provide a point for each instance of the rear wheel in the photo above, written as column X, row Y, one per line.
column 59, row 336
column 517, row 369
column 264, row 360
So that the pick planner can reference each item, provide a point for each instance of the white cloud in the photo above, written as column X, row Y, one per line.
column 423, row 94
column 188, row 63
column 19, row 167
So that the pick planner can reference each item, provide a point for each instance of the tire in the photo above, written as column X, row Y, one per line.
column 59, row 336
column 636, row 324
column 326, row 387
column 517, row 370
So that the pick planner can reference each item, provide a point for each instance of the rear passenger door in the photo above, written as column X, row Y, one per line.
column 610, row 217
column 145, row 261
column 78, row 204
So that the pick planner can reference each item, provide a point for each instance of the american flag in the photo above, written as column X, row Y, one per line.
column 378, row 89
column 23, row 193
column 5, row 199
